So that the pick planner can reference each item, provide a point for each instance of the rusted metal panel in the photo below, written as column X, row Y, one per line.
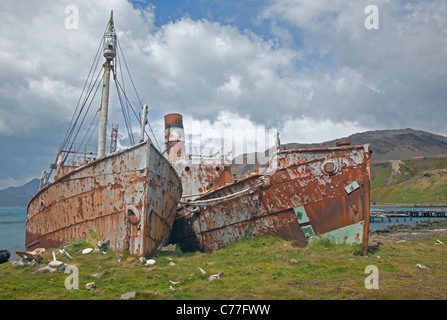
column 163, row 191
column 200, row 176
column 98, row 195
column 313, row 180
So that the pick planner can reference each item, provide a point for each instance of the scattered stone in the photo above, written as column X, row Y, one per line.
column 150, row 262
column 343, row 287
column 168, row 248
column 96, row 275
column 45, row 270
column 30, row 262
column 63, row 251
column 90, row 286
column 88, row 250
column 147, row 262
column 99, row 275
column 128, row 295
column 172, row 264
column 58, row 265
column 421, row 266
column 32, row 255
column 16, row 263
column 102, row 247
column 135, row 263
column 293, row 261
column 215, row 276
column 25, row 262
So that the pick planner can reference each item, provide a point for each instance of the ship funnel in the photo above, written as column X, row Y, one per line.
column 174, row 136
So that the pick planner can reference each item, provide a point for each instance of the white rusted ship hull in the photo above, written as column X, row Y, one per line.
column 128, row 197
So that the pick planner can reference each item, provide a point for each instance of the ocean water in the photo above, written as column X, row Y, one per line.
column 12, row 229
column 379, row 224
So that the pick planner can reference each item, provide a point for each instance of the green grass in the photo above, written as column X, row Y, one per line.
column 260, row 268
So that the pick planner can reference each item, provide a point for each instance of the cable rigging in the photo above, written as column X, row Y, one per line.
column 85, row 101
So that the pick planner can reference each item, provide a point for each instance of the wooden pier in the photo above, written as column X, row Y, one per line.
column 407, row 212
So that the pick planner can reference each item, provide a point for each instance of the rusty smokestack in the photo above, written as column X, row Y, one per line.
column 174, row 136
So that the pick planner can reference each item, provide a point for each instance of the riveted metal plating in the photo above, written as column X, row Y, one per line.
column 97, row 195
column 310, row 181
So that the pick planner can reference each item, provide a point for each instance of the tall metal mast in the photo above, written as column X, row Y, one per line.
column 109, row 51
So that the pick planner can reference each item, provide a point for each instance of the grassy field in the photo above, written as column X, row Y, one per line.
column 420, row 181
column 265, row 268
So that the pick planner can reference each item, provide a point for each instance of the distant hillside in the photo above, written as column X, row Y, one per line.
column 18, row 196
column 408, row 166
column 386, row 145
column 421, row 180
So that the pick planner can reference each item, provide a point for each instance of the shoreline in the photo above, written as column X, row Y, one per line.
column 407, row 232
column 409, row 205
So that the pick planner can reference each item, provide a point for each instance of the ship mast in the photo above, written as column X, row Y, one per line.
column 109, row 51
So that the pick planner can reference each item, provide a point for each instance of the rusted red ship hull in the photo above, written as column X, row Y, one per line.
column 128, row 197
column 313, row 193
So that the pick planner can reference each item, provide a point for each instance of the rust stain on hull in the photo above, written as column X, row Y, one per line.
column 311, row 192
column 128, row 197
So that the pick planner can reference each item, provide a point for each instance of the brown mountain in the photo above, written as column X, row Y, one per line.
column 386, row 145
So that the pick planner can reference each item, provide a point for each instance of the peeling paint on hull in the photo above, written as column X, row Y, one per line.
column 128, row 197
column 307, row 197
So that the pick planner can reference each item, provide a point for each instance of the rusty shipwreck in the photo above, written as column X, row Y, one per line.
column 128, row 196
column 300, row 195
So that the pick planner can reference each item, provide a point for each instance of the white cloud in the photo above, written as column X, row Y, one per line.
column 202, row 67
column 319, row 74
column 309, row 130
column 383, row 78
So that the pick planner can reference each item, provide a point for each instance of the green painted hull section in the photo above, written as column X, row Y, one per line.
column 351, row 234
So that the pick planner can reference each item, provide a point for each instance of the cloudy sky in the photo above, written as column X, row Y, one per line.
column 311, row 70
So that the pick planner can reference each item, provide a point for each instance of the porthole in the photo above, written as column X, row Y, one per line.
column 329, row 167
column 132, row 215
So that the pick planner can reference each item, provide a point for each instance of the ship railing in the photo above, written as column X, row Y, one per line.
column 78, row 155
